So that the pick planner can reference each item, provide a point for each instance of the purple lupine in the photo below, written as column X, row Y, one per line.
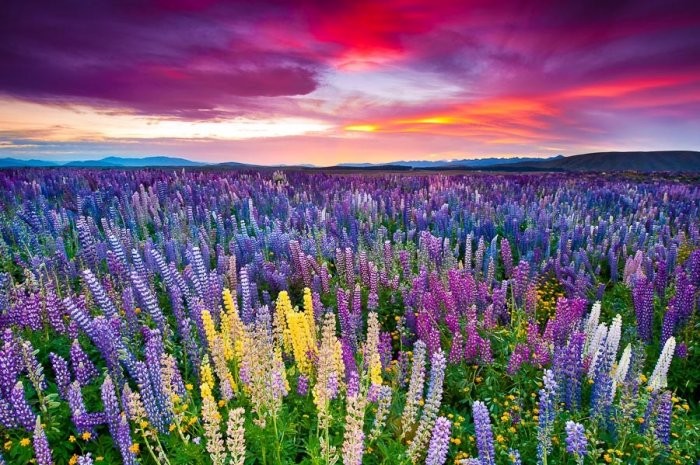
column 576, row 442
column 120, row 432
column 439, row 442
column 148, row 300
column 54, row 309
column 23, row 412
column 663, row 418
column 83, row 368
column 60, row 368
column 643, row 299
column 569, row 370
column 154, row 354
column 99, row 294
column 42, row 451
column 484, row 435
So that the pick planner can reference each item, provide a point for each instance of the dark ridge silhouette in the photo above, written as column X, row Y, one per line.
column 666, row 160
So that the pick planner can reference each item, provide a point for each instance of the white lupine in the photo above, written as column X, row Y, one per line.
column 657, row 380
column 599, row 338
column 592, row 323
column 612, row 342
column 623, row 366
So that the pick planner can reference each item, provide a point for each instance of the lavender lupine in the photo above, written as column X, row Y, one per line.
column 547, row 405
column 439, row 442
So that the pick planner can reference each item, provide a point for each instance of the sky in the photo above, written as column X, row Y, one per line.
column 326, row 82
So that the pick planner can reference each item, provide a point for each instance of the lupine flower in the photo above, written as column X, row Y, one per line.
column 353, row 438
column 576, row 442
column 41, row 445
column 415, row 388
column 484, row 435
column 439, row 442
column 547, row 414
column 643, row 297
column 235, row 436
column 663, row 418
column 83, row 368
column 657, row 380
column 212, row 424
column 383, row 406
column 433, row 400
column 60, row 368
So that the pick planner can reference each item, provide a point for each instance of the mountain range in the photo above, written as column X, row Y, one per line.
column 656, row 161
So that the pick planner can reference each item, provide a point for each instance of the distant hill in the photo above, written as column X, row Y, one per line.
column 449, row 164
column 15, row 163
column 659, row 161
column 151, row 161
column 666, row 160
column 109, row 162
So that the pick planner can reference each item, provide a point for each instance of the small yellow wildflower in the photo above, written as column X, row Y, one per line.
column 189, row 386
column 86, row 436
column 73, row 460
column 134, row 448
column 71, row 438
column 25, row 442
column 8, row 445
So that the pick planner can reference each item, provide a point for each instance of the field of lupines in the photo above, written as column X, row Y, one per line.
column 221, row 317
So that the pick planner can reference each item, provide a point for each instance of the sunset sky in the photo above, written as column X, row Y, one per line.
column 328, row 82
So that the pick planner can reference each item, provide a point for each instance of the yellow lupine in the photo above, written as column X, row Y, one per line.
column 206, row 373
column 309, row 312
column 302, row 341
column 372, row 349
column 283, row 307
column 234, row 324
column 209, row 328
